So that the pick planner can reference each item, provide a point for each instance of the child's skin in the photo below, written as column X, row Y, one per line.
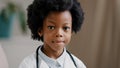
column 56, row 32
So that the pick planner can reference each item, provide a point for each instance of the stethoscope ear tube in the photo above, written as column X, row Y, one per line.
column 72, row 58
column 37, row 58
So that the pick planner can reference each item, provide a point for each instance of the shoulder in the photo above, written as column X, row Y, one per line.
column 29, row 61
column 79, row 63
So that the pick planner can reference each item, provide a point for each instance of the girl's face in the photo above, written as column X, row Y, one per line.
column 57, row 30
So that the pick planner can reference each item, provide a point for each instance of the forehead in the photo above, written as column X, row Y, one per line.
column 59, row 17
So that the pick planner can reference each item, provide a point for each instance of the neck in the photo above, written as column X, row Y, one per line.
column 51, row 53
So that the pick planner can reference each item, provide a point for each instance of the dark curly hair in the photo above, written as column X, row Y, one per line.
column 39, row 9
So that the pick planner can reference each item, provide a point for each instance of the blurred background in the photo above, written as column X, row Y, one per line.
column 97, row 44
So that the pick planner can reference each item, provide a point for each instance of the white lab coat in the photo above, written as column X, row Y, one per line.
column 30, row 62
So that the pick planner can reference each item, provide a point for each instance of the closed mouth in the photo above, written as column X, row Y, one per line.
column 58, row 42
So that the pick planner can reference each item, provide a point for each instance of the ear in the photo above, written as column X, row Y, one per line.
column 40, row 32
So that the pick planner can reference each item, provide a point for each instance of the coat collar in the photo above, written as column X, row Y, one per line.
column 68, row 63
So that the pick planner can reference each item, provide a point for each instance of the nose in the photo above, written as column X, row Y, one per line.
column 59, row 33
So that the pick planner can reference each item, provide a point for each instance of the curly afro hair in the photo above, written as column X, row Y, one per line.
column 39, row 9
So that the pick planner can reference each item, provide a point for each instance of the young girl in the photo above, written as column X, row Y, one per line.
column 53, row 22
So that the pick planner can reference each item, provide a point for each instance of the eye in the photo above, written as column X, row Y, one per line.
column 66, row 28
column 51, row 27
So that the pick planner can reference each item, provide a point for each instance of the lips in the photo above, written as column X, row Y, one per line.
column 58, row 41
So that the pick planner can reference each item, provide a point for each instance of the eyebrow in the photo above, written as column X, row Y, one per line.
column 53, row 22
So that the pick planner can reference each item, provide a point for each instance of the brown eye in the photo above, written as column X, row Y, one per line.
column 66, row 28
column 51, row 27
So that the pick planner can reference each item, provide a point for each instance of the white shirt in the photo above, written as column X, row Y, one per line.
column 52, row 63
column 64, row 61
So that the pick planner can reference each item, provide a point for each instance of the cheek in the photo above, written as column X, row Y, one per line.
column 48, row 37
column 68, row 38
column 46, row 33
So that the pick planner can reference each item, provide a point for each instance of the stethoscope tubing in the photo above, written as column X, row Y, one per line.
column 37, row 57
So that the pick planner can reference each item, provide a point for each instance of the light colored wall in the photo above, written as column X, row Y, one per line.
column 18, row 46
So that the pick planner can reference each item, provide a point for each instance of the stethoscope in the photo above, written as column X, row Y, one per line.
column 37, row 58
